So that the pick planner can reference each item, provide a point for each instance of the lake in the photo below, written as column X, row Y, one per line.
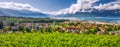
column 106, row 19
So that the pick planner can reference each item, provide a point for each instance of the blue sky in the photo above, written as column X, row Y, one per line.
column 72, row 5
column 50, row 5
column 45, row 5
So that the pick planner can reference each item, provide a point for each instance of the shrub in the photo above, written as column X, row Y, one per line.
column 21, row 28
column 93, row 30
column 11, row 24
column 28, row 30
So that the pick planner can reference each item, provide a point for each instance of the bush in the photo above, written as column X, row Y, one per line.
column 28, row 30
column 11, row 24
column 93, row 30
column 21, row 28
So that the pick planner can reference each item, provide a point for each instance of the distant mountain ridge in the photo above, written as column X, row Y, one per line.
column 27, row 13
column 21, row 13
column 94, row 13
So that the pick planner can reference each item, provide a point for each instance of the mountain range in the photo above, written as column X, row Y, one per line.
column 95, row 13
column 21, row 13
column 27, row 13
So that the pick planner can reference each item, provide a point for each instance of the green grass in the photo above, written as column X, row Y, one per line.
column 58, row 40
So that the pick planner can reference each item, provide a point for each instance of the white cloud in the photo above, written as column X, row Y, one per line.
column 17, row 6
column 87, row 6
column 108, row 6
column 80, row 6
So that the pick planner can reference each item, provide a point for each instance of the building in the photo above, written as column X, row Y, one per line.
column 114, row 32
column 1, row 31
column 72, row 29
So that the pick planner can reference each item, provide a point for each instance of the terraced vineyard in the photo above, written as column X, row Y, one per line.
column 58, row 40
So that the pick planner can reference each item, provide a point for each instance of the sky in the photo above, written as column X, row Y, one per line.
column 57, row 7
column 45, row 5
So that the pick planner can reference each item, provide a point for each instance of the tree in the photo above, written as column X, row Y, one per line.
column 93, row 30
column 28, row 30
column 11, row 24
column 1, row 25
column 21, row 28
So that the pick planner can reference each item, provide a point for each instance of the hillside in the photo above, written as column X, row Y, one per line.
column 21, row 13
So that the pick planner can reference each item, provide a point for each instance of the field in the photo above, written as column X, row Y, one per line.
column 58, row 40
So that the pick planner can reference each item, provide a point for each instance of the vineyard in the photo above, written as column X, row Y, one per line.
column 56, row 39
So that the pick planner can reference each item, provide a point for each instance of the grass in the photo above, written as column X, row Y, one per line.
column 58, row 40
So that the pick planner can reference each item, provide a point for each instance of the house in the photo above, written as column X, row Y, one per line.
column 28, row 24
column 15, row 29
column 114, row 32
column 10, row 32
column 100, row 32
column 72, row 29
column 1, row 31
column 103, row 29
column 83, row 30
column 10, row 23
column 38, row 27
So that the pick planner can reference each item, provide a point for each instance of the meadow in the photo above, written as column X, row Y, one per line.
column 56, row 39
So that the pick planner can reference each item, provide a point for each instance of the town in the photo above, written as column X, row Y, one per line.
column 22, row 25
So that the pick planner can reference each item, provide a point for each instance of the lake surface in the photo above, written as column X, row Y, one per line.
column 106, row 19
